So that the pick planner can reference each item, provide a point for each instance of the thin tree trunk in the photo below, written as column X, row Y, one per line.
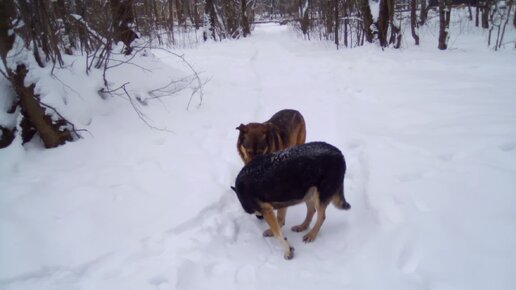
column 367, row 18
column 304, row 15
column 383, row 23
column 336, row 7
column 122, row 15
column 246, row 30
column 386, row 21
column 346, row 21
column 179, row 11
column 514, row 20
column 423, row 15
column 156, row 21
column 477, row 12
column 170, row 21
column 210, row 20
column 413, row 21
column 62, row 13
column 485, row 14
column 444, row 23
column 470, row 15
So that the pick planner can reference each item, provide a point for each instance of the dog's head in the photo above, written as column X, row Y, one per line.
column 254, row 140
column 249, row 207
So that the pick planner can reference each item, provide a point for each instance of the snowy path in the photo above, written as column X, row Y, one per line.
column 430, row 142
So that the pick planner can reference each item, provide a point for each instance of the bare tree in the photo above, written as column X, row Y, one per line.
column 386, row 23
column 444, row 23
column 246, row 28
column 413, row 21
column 367, row 18
column 122, row 13
column 210, row 21
column 423, row 15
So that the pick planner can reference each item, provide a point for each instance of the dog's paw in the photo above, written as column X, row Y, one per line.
column 289, row 254
column 268, row 233
column 299, row 228
column 308, row 238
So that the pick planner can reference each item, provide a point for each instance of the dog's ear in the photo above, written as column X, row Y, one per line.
column 242, row 128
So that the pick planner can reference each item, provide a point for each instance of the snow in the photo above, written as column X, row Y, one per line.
column 430, row 143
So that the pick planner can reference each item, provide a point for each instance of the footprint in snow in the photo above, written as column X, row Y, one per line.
column 508, row 146
column 446, row 157
column 160, row 282
column 407, row 259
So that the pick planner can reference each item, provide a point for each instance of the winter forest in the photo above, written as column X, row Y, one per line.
column 125, row 126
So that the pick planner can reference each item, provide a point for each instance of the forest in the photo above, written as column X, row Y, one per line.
column 46, row 30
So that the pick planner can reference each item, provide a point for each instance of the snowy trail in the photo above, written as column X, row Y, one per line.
column 430, row 178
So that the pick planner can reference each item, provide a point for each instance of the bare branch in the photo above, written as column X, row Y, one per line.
column 199, row 89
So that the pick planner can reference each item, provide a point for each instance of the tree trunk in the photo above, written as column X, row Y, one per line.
column 246, row 30
column 62, row 13
column 197, row 21
column 470, row 14
column 444, row 23
column 336, row 7
column 7, row 14
column 304, row 16
column 49, row 132
column 122, row 15
column 424, row 13
column 156, row 21
column 485, row 13
column 501, row 35
column 179, row 11
column 413, row 21
column 514, row 20
column 477, row 11
column 367, row 19
column 170, row 21
column 346, row 21
column 210, row 20
column 383, row 23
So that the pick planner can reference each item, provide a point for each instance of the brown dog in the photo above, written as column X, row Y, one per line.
column 283, row 130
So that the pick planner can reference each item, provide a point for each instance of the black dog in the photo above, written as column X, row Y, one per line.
column 311, row 173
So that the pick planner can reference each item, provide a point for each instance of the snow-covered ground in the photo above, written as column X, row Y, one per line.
column 429, row 137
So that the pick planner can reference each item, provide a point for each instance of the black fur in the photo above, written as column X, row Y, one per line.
column 284, row 178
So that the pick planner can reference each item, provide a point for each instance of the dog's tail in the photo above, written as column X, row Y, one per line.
column 339, row 201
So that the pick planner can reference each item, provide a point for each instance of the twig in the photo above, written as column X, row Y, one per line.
column 199, row 87
column 140, row 114
column 74, row 130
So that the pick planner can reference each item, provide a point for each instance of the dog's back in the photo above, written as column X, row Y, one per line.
column 284, row 178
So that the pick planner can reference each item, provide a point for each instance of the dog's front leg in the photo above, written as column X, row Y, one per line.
column 282, row 212
column 270, row 218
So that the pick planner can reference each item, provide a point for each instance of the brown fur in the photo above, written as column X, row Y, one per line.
column 283, row 130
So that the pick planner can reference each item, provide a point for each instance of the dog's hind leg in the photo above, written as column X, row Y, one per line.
column 282, row 212
column 321, row 216
column 310, row 211
column 270, row 217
